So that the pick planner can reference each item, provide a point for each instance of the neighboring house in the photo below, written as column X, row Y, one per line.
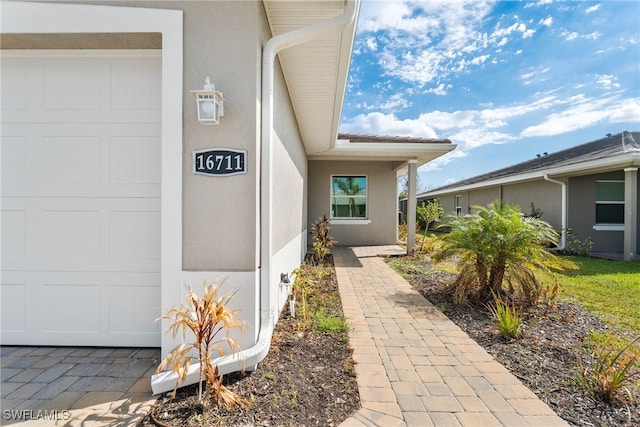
column 591, row 189
column 106, row 213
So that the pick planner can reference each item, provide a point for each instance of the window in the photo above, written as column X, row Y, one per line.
column 458, row 205
column 609, row 202
column 349, row 197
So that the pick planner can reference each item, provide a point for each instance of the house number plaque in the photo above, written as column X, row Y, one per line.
column 220, row 162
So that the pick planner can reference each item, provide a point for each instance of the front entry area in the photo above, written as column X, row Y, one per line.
column 80, row 185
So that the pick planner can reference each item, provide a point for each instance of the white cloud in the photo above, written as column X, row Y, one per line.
column 528, row 34
column 582, row 112
column 569, row 36
column 534, row 75
column 479, row 59
column 592, row 8
column 607, row 82
column 424, row 41
column 547, row 22
column 477, row 137
column 387, row 124
column 371, row 44
column 627, row 111
column 443, row 120
column 441, row 90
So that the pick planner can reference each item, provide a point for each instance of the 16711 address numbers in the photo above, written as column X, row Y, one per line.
column 220, row 162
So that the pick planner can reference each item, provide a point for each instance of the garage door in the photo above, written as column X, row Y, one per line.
column 80, row 198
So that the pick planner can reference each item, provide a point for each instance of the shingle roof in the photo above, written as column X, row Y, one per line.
column 591, row 151
column 400, row 139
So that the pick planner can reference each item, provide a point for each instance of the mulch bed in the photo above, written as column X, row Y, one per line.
column 307, row 379
column 544, row 358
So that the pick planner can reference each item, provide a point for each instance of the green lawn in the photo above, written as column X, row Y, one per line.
column 610, row 289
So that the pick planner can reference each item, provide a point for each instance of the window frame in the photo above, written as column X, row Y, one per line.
column 608, row 226
column 457, row 201
column 346, row 219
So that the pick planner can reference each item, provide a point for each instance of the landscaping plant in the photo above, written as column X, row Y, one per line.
column 612, row 371
column 210, row 320
column 497, row 244
column 506, row 317
column 322, row 240
column 302, row 288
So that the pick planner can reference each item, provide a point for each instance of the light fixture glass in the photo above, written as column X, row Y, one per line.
column 209, row 104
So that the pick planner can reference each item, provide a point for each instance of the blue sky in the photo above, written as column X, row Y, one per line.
column 503, row 80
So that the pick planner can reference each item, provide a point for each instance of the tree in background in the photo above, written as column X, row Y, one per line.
column 404, row 186
column 427, row 213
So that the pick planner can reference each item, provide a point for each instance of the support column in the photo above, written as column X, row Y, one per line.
column 630, row 213
column 412, row 177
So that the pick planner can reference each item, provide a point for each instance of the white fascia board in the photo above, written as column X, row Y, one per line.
column 344, row 63
column 585, row 168
column 423, row 152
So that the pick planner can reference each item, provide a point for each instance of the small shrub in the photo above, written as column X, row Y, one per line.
column 575, row 246
column 612, row 371
column 507, row 318
column 210, row 320
column 402, row 232
column 535, row 212
column 322, row 240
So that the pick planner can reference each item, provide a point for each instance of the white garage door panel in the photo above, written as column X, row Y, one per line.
column 77, row 307
column 81, row 143
column 52, row 160
column 81, row 234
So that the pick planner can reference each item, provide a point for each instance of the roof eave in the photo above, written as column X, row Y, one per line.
column 586, row 168
column 422, row 152
column 315, row 72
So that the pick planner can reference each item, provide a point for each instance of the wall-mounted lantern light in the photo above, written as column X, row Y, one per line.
column 210, row 104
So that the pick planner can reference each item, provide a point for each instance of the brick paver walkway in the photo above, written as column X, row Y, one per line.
column 414, row 366
column 75, row 386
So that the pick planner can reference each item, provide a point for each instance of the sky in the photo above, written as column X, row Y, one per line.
column 503, row 80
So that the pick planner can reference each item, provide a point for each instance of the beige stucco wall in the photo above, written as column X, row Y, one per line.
column 481, row 197
column 289, row 171
column 545, row 196
column 582, row 212
column 382, row 200
column 222, row 40
column 220, row 214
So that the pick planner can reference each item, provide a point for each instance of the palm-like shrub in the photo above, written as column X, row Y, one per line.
column 209, row 319
column 497, row 244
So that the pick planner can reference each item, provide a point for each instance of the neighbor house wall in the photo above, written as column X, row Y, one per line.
column 582, row 212
column 544, row 195
column 382, row 202
column 481, row 197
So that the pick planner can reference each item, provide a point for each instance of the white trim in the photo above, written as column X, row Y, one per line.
column 609, row 227
column 342, row 221
column 31, row 17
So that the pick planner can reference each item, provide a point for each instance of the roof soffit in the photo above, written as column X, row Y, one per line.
column 316, row 71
